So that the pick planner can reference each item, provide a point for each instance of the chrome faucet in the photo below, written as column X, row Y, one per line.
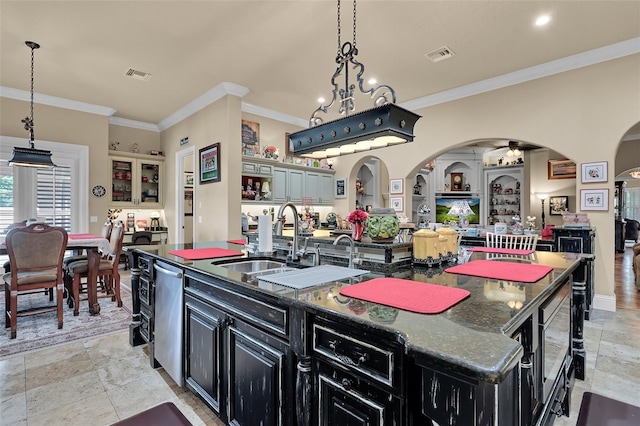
column 294, row 248
column 352, row 251
column 304, row 252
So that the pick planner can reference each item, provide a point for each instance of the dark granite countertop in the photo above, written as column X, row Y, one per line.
column 472, row 336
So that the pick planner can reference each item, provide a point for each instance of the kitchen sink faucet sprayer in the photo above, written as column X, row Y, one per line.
column 294, row 248
column 352, row 250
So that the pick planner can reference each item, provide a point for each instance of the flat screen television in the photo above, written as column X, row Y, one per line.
column 444, row 204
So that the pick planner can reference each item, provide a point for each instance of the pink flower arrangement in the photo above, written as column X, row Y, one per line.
column 357, row 216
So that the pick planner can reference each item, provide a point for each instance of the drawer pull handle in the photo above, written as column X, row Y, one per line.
column 346, row 384
column 364, row 357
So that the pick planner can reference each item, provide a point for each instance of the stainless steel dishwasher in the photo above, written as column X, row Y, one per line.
column 169, row 305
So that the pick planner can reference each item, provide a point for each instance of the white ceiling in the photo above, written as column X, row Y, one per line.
column 284, row 51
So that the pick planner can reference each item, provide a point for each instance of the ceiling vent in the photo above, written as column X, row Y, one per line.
column 138, row 75
column 440, row 54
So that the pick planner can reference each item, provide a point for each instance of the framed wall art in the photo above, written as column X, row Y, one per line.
column 188, row 179
column 558, row 204
column 561, row 169
column 210, row 164
column 396, row 186
column 250, row 138
column 397, row 203
column 594, row 172
column 340, row 188
column 594, row 199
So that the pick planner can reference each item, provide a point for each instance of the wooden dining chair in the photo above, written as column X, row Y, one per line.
column 35, row 253
column 512, row 241
column 108, row 275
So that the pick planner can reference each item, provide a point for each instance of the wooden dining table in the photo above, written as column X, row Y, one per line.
column 95, row 246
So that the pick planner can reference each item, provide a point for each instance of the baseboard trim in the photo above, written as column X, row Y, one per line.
column 606, row 303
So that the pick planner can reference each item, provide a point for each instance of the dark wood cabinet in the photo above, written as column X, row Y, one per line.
column 203, row 364
column 357, row 378
column 256, row 380
column 234, row 362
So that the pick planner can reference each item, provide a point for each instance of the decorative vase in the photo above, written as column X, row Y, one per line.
column 356, row 231
column 382, row 225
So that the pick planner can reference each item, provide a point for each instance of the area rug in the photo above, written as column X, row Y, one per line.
column 41, row 331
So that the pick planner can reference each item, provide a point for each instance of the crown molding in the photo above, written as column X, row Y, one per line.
column 202, row 101
column 140, row 125
column 590, row 57
column 38, row 98
column 274, row 115
column 633, row 137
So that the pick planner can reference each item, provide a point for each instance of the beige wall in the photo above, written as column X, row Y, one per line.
column 126, row 136
column 581, row 114
column 67, row 126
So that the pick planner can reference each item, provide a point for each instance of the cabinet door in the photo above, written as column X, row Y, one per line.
column 288, row 185
column 135, row 182
column 122, row 182
column 326, row 189
column 256, row 382
column 296, row 185
column 203, row 357
column 150, row 188
column 279, row 189
column 311, row 185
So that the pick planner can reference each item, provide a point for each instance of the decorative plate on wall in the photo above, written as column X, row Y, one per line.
column 98, row 191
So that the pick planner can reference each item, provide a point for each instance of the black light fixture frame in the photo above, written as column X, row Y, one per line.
column 384, row 119
column 31, row 157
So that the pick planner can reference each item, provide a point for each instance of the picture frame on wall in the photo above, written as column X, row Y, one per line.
column 188, row 179
column 594, row 172
column 561, row 169
column 594, row 199
column 340, row 188
column 210, row 164
column 558, row 205
column 396, row 186
column 250, row 138
column 397, row 203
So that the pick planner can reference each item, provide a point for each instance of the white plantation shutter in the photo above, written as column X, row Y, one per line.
column 54, row 196
column 6, row 195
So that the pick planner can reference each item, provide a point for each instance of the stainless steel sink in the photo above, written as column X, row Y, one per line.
column 253, row 266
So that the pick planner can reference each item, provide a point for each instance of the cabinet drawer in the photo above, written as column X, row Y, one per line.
column 353, row 351
column 249, row 168
column 261, row 313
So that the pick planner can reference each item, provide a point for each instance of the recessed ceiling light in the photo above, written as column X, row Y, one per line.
column 543, row 20
column 321, row 99
column 372, row 81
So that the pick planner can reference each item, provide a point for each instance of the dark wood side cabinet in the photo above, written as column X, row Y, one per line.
column 579, row 240
column 238, row 358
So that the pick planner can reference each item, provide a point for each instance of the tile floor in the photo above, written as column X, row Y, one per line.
column 103, row 380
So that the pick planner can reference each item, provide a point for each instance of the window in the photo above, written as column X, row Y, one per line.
column 631, row 204
column 54, row 196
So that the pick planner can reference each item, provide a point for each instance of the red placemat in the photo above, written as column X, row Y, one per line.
column 82, row 236
column 510, row 271
column 407, row 294
column 205, row 253
column 241, row 242
column 501, row 250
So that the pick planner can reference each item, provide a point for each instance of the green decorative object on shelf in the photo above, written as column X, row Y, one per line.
column 382, row 225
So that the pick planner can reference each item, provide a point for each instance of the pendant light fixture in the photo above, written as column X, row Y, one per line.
column 383, row 125
column 31, row 157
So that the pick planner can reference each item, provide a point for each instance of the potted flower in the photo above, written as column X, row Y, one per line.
column 357, row 218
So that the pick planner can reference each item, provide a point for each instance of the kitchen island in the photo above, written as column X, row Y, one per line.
column 507, row 354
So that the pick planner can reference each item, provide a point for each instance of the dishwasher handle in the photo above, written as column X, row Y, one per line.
column 166, row 271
